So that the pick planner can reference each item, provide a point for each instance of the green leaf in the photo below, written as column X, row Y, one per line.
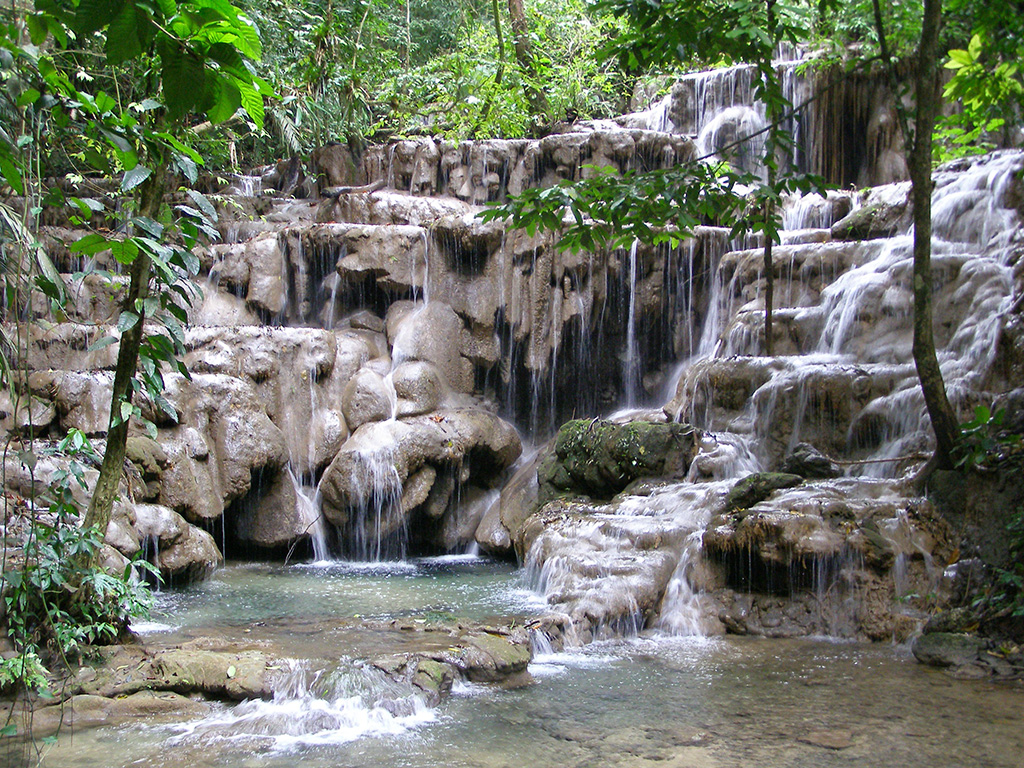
column 123, row 36
column 974, row 47
column 204, row 204
column 119, row 142
column 230, row 60
column 187, row 167
column 90, row 244
column 150, row 227
column 106, row 341
column 93, row 15
column 227, row 98
column 12, row 175
column 31, row 96
column 252, row 103
column 183, row 78
column 134, row 177
column 127, row 321
column 124, row 251
column 88, row 206
column 37, row 30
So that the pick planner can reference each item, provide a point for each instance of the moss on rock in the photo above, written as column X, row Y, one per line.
column 599, row 458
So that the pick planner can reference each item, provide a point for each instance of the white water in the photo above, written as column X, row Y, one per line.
column 315, row 708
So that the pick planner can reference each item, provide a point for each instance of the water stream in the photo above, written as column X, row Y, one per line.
column 661, row 693
column 644, row 702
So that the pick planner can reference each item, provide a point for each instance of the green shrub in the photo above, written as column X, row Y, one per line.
column 60, row 598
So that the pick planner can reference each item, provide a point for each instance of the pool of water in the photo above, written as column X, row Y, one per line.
column 246, row 596
column 656, row 701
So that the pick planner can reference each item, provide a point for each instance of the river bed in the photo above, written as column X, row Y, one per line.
column 660, row 701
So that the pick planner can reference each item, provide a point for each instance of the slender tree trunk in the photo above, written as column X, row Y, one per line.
column 500, row 74
column 102, row 502
column 524, row 56
column 769, row 285
column 944, row 421
column 769, row 206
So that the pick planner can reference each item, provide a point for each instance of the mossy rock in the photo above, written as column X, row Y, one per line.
column 146, row 454
column 755, row 488
column 599, row 458
column 870, row 222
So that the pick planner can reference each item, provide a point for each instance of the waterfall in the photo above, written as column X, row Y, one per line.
column 681, row 610
column 631, row 362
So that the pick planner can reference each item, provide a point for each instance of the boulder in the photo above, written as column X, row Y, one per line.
column 222, row 439
column 30, row 416
column 419, row 388
column 275, row 515
column 884, row 213
column 182, row 552
column 808, row 462
column 384, row 460
column 755, row 488
column 599, row 458
column 432, row 333
column 947, row 649
column 366, row 398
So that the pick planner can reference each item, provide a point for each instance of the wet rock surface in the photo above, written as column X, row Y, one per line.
column 599, row 459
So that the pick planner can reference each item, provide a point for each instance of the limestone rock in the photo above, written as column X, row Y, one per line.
column 432, row 333
column 184, row 553
column 275, row 515
column 947, row 649
column 334, row 166
column 418, row 387
column 366, row 399
column 757, row 487
column 808, row 462
column 379, row 459
column 599, row 458
column 212, row 463
column 27, row 417
column 885, row 213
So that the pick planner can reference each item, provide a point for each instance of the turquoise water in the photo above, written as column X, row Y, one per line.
column 654, row 702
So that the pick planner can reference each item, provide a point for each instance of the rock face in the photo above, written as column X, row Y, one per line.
column 354, row 353
column 392, row 472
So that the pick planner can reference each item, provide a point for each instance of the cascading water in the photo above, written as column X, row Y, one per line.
column 315, row 708
column 631, row 361
column 639, row 561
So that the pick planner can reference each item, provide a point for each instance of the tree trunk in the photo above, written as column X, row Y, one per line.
column 100, row 506
column 769, row 206
column 524, row 56
column 500, row 74
column 944, row 421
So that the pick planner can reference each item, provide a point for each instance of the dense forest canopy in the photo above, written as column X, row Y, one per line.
column 360, row 70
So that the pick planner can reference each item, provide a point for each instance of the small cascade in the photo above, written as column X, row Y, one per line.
column 681, row 609
column 310, row 516
column 377, row 528
column 727, row 137
column 249, row 186
column 315, row 707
